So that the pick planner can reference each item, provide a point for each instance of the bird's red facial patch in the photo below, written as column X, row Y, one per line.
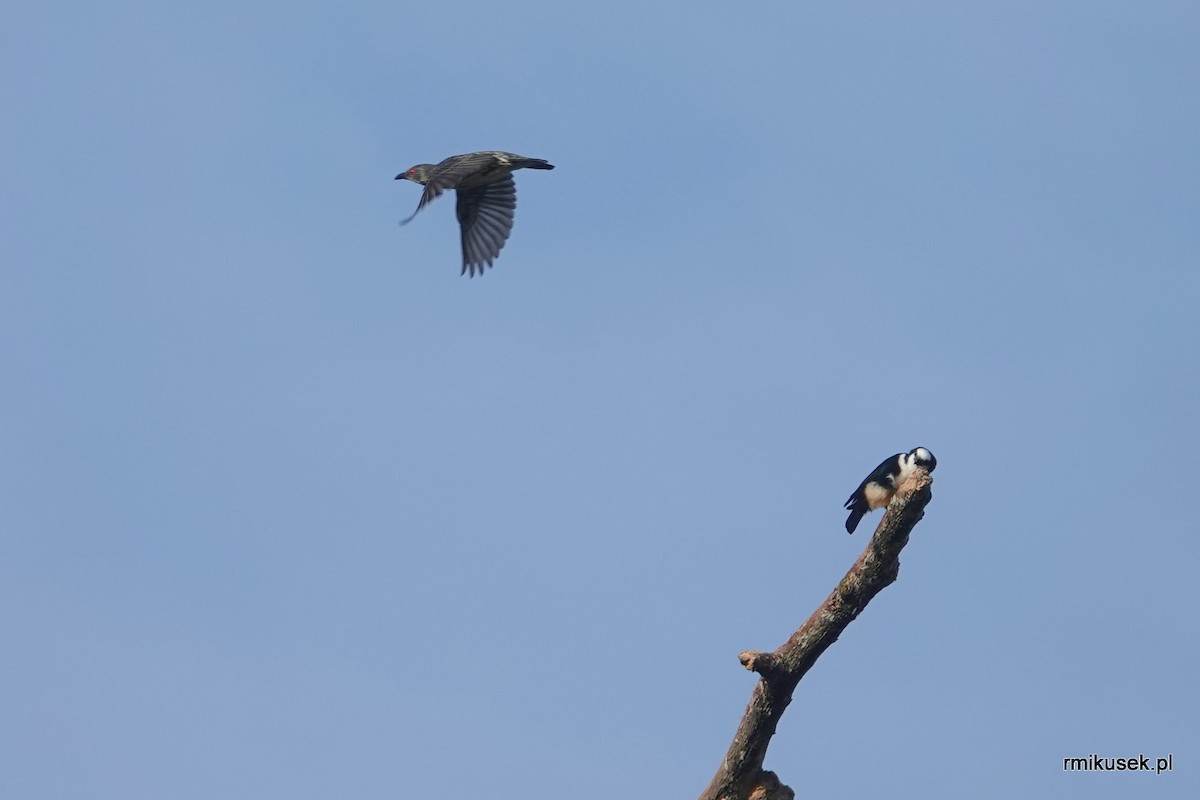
column 412, row 172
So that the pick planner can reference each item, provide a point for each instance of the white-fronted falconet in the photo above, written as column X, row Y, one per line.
column 487, row 199
column 878, row 488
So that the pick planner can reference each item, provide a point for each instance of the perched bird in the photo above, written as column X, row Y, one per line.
column 487, row 198
column 880, row 486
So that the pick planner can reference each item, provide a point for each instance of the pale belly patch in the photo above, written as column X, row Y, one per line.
column 877, row 496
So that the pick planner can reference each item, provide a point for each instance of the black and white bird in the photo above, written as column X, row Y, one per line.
column 487, row 198
column 880, row 486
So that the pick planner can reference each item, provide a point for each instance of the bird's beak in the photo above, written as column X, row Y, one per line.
column 400, row 176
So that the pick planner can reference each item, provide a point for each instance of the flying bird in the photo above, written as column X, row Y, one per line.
column 880, row 486
column 487, row 198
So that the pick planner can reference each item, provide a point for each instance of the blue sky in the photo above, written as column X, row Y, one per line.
column 289, row 509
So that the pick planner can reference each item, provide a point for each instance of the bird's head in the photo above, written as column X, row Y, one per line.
column 418, row 174
column 921, row 457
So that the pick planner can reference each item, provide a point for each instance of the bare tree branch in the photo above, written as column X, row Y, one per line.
column 741, row 775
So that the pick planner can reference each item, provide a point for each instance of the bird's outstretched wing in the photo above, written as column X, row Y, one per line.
column 485, row 214
column 433, row 189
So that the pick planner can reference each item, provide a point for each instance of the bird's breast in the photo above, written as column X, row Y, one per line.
column 877, row 495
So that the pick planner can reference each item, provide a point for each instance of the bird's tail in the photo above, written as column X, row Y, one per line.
column 852, row 521
column 532, row 163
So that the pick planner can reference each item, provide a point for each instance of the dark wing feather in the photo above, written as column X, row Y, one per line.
column 431, row 193
column 485, row 214
column 433, row 189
